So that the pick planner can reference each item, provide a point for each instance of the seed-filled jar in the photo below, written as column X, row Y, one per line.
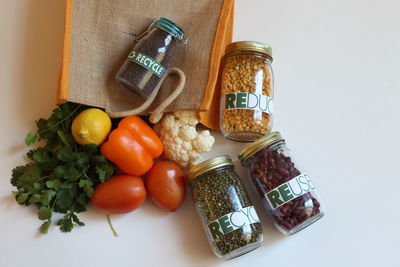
column 286, row 190
column 247, row 91
column 148, row 62
column 225, row 209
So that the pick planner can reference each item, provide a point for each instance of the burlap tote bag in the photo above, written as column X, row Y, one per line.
column 99, row 34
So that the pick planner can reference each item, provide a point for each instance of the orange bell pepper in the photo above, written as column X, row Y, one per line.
column 132, row 146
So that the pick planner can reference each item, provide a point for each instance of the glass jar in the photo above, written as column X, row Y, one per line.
column 247, row 89
column 225, row 209
column 148, row 62
column 287, row 192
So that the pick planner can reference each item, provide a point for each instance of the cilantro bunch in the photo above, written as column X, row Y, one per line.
column 62, row 174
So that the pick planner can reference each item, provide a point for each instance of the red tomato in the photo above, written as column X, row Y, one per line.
column 166, row 185
column 119, row 194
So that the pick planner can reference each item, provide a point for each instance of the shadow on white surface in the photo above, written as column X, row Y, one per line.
column 192, row 240
column 16, row 149
column 8, row 201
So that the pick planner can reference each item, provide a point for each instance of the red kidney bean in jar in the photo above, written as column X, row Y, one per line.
column 286, row 190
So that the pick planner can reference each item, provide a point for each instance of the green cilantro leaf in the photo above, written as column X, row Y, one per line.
column 35, row 198
column 52, row 124
column 21, row 198
column 72, row 174
column 65, row 154
column 87, row 186
column 65, row 138
column 99, row 159
column 37, row 186
column 26, row 182
column 76, row 220
column 64, row 199
column 83, row 199
column 53, row 184
column 47, row 196
column 81, row 159
column 61, row 171
column 30, row 138
column 44, row 228
column 33, row 170
column 44, row 213
column 16, row 173
column 104, row 171
column 39, row 155
column 61, row 175
column 41, row 124
column 102, row 174
column 66, row 224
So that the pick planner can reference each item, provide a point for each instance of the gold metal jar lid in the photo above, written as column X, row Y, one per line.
column 207, row 166
column 259, row 145
column 249, row 46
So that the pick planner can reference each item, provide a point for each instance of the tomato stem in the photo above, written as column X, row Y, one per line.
column 111, row 225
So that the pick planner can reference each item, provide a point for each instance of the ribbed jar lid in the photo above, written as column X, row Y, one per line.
column 258, row 145
column 249, row 46
column 207, row 166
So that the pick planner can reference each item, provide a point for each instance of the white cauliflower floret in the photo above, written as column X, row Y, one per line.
column 182, row 143
column 187, row 117
column 188, row 133
column 203, row 142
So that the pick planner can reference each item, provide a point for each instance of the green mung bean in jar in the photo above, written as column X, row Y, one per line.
column 225, row 209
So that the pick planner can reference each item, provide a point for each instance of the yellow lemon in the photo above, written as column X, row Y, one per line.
column 91, row 126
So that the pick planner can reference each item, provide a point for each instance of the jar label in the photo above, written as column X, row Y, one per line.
column 245, row 100
column 233, row 221
column 147, row 62
column 290, row 190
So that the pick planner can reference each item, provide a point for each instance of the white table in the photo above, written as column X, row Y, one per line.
column 337, row 88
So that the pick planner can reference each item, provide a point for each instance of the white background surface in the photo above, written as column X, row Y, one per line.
column 337, row 87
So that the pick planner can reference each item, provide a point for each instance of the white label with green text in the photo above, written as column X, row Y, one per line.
column 243, row 100
column 288, row 191
column 147, row 62
column 233, row 221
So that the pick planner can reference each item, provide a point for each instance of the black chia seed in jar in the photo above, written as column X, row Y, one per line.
column 149, row 60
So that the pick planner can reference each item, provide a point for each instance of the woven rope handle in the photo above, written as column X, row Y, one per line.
column 157, row 114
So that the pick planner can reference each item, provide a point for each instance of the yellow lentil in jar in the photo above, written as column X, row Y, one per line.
column 246, row 77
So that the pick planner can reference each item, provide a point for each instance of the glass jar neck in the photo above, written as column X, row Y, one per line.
column 172, row 28
column 173, row 35
column 274, row 146
column 160, row 29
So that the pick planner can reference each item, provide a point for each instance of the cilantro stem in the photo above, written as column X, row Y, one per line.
column 55, row 149
column 111, row 225
column 87, row 177
column 55, row 200
column 54, row 203
column 61, row 121
column 84, row 172
column 44, row 177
